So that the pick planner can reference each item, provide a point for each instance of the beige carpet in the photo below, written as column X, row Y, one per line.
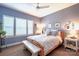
column 19, row 51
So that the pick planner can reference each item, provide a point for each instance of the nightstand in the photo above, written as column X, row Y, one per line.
column 71, row 43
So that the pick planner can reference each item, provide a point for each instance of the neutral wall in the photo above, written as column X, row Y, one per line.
column 14, row 13
column 63, row 16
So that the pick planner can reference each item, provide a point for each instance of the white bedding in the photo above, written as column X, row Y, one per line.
column 48, row 42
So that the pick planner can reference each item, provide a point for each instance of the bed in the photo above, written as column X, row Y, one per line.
column 45, row 43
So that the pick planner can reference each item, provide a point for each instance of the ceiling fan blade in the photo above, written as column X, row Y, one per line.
column 40, row 7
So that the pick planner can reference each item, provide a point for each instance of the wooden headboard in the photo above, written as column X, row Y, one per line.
column 62, row 34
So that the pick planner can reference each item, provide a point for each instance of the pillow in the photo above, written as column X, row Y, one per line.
column 54, row 32
column 47, row 32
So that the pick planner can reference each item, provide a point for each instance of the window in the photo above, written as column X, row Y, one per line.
column 20, row 26
column 8, row 25
column 30, row 27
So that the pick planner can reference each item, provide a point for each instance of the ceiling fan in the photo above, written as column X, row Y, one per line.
column 41, row 6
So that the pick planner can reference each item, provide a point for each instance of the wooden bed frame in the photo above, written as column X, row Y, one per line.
column 41, row 53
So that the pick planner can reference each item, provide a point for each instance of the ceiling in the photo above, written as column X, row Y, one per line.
column 31, row 8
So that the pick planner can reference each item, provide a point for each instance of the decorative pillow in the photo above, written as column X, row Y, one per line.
column 54, row 32
column 47, row 32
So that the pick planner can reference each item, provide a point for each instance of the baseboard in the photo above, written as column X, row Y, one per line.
column 8, row 45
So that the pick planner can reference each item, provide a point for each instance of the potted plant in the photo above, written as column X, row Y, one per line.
column 2, row 34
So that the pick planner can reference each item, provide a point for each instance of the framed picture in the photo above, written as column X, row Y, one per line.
column 57, row 25
column 67, row 25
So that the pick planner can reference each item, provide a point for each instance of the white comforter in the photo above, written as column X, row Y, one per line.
column 48, row 42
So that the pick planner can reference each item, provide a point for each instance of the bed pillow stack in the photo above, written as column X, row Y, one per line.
column 54, row 32
column 46, row 32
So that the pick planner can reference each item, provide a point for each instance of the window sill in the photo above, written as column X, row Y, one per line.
column 15, row 36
